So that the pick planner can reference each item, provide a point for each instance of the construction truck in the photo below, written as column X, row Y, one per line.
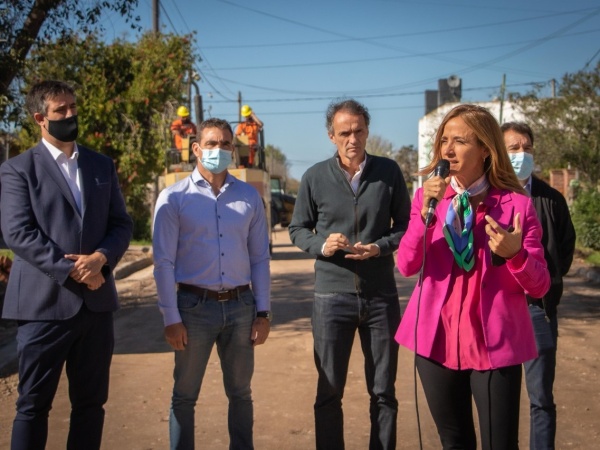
column 282, row 204
column 181, row 164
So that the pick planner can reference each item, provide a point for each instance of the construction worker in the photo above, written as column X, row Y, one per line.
column 182, row 127
column 250, row 128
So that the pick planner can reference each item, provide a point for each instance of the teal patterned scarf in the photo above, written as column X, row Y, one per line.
column 458, row 228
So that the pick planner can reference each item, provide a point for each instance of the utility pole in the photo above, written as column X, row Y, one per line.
column 553, row 87
column 197, row 99
column 155, row 16
column 502, row 90
column 239, row 106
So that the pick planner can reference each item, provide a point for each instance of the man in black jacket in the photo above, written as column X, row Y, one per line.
column 559, row 245
column 351, row 212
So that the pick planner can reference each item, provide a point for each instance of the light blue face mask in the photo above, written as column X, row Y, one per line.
column 522, row 163
column 216, row 160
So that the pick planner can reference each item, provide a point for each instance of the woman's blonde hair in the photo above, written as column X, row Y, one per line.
column 486, row 129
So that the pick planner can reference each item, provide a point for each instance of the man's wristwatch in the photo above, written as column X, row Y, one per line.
column 265, row 315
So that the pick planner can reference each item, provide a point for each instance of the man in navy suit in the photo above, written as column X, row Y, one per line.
column 64, row 217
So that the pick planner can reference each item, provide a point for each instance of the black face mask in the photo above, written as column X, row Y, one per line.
column 64, row 130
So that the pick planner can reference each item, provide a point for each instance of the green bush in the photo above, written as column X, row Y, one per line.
column 586, row 218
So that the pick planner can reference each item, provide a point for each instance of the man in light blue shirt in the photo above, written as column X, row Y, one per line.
column 210, row 245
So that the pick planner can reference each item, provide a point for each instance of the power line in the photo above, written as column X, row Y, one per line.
column 354, row 38
column 176, row 8
column 397, row 35
column 537, row 42
column 587, row 64
column 385, row 91
column 389, row 58
column 400, row 94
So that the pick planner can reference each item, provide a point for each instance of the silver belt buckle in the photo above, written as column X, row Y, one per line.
column 223, row 296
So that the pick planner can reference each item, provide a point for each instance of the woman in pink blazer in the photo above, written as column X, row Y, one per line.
column 481, row 252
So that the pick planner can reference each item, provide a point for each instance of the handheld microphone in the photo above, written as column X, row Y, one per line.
column 442, row 169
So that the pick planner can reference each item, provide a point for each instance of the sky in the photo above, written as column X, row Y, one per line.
column 289, row 59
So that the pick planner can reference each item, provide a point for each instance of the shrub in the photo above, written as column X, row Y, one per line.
column 586, row 218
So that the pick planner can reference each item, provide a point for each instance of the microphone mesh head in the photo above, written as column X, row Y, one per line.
column 443, row 168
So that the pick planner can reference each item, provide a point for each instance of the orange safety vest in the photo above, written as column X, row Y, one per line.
column 250, row 129
column 186, row 129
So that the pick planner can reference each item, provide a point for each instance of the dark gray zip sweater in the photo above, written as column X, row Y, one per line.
column 378, row 214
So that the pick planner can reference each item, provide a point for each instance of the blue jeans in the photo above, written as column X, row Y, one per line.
column 335, row 319
column 539, row 378
column 228, row 324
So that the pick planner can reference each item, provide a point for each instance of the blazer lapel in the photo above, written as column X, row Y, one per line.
column 87, row 177
column 48, row 165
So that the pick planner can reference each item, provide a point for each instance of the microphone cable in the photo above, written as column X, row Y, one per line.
column 442, row 169
column 415, row 337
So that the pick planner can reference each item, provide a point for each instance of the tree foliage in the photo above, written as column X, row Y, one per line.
column 377, row 145
column 567, row 128
column 586, row 218
column 407, row 158
column 24, row 23
column 277, row 163
column 126, row 94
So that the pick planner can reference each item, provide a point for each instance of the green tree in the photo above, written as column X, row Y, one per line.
column 25, row 23
column 567, row 128
column 126, row 97
column 586, row 218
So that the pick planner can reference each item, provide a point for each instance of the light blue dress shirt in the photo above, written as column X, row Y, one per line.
column 213, row 242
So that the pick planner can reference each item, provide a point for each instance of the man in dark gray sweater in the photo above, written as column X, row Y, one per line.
column 351, row 212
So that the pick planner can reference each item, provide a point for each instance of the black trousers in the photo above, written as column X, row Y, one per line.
column 496, row 393
column 84, row 344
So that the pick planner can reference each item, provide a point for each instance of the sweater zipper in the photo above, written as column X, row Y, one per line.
column 355, row 196
column 356, row 278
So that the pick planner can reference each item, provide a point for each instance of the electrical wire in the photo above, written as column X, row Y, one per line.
column 470, row 67
column 389, row 36
column 213, row 74
column 587, row 64
column 203, row 57
column 392, row 58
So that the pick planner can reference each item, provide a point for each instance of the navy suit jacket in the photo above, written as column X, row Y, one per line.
column 41, row 223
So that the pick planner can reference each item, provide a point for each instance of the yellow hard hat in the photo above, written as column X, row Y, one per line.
column 182, row 111
column 246, row 111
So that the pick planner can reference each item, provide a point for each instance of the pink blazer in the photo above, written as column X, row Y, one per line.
column 507, row 328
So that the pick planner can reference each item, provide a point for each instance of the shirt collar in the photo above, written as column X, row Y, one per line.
column 56, row 152
column 361, row 166
column 197, row 178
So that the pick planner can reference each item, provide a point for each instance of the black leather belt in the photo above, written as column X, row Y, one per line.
column 221, row 296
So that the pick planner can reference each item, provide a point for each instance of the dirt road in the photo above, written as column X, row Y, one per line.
column 285, row 378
